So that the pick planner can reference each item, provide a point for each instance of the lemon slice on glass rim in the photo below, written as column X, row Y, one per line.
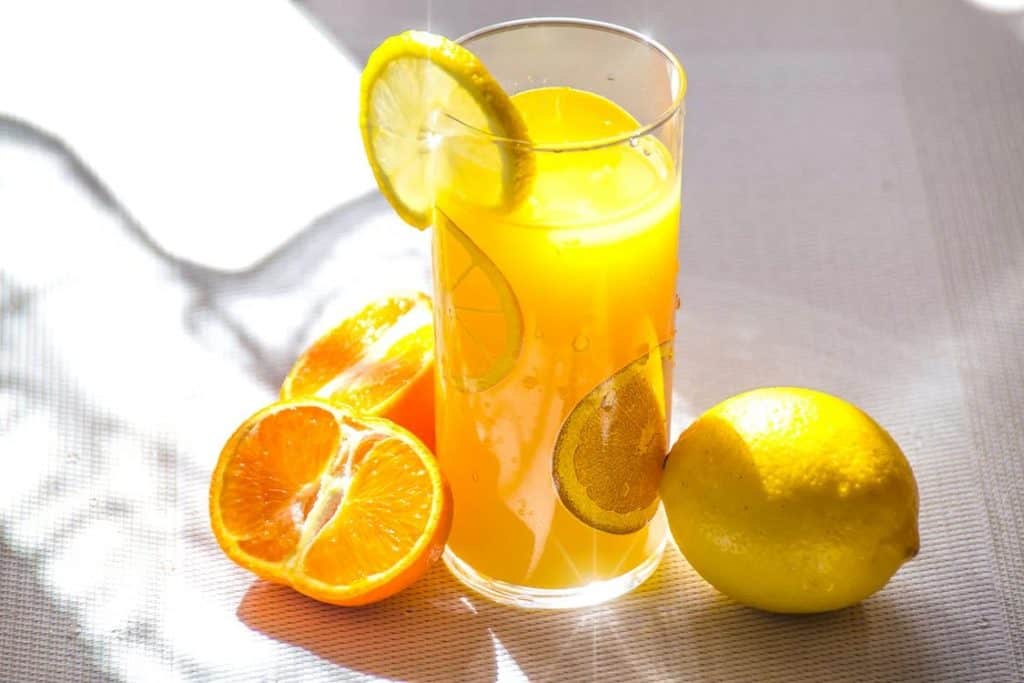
column 433, row 121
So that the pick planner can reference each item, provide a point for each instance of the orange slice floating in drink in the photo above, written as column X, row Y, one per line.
column 483, row 324
column 609, row 453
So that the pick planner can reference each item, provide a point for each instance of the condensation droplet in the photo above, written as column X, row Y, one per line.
column 633, row 142
column 678, row 302
column 476, row 477
column 581, row 342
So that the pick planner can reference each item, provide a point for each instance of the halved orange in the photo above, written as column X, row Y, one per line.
column 346, row 509
column 379, row 361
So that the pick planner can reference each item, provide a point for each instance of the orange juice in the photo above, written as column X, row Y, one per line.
column 554, row 340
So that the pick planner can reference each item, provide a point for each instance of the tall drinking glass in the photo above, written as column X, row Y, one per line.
column 554, row 321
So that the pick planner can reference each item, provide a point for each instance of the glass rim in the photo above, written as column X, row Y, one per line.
column 677, row 105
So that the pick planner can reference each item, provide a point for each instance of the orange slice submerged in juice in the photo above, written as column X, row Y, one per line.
column 608, row 457
column 348, row 510
column 480, row 316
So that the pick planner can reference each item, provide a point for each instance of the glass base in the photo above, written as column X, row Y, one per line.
column 526, row 597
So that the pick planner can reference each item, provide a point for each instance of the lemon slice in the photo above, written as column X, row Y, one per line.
column 424, row 102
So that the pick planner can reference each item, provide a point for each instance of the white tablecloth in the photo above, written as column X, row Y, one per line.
column 853, row 221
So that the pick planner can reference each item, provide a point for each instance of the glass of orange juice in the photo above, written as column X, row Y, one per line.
column 555, row 321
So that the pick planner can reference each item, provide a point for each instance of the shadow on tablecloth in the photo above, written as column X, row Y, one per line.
column 675, row 623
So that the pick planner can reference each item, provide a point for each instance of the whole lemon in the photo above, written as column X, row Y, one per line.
column 791, row 500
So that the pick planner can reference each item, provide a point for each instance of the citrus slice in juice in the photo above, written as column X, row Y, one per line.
column 345, row 509
column 483, row 325
column 433, row 118
column 379, row 361
column 608, row 456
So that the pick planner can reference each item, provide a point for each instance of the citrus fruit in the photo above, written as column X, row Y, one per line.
column 482, row 323
column 791, row 500
column 432, row 117
column 609, row 452
column 345, row 509
column 379, row 361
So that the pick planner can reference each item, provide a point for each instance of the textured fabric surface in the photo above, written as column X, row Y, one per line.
column 231, row 100
column 853, row 221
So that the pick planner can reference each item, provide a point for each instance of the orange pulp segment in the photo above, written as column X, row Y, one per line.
column 346, row 509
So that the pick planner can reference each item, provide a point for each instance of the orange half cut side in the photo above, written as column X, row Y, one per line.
column 379, row 361
column 348, row 510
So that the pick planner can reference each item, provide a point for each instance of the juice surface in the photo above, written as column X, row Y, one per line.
column 566, row 301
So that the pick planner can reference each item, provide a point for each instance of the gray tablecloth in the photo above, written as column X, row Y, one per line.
column 853, row 221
